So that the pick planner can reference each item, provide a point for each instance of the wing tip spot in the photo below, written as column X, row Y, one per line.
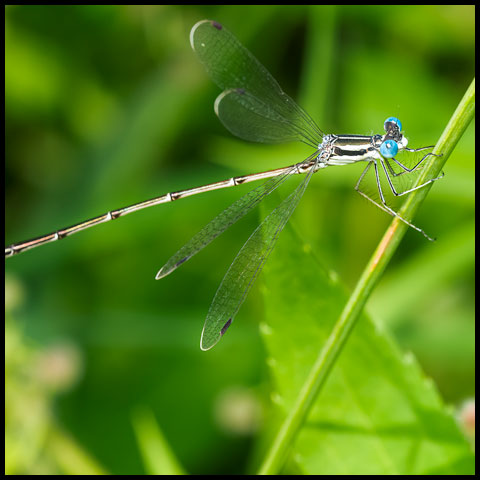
column 225, row 327
column 181, row 261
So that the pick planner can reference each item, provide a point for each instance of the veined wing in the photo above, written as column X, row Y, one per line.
column 246, row 267
column 252, row 105
column 226, row 219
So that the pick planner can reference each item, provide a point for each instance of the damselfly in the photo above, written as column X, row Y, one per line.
column 254, row 107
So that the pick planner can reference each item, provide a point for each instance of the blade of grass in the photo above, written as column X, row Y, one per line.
column 283, row 441
column 158, row 457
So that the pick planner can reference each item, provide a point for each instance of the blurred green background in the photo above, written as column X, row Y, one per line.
column 106, row 106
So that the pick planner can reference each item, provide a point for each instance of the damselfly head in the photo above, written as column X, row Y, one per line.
column 393, row 129
column 391, row 145
column 392, row 124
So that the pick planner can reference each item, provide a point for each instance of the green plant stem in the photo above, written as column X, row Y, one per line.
column 283, row 442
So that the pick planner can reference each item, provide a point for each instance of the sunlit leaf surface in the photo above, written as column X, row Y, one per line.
column 378, row 413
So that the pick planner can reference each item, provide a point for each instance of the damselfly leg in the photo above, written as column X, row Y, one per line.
column 389, row 173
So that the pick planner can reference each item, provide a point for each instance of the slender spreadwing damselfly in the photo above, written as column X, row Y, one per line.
column 253, row 107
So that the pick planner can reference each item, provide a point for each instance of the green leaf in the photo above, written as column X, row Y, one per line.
column 377, row 412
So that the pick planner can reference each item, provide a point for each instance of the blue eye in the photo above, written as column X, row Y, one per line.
column 389, row 148
column 394, row 120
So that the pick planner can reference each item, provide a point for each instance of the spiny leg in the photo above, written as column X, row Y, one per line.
column 405, row 168
column 363, row 194
column 383, row 206
column 394, row 191
column 418, row 149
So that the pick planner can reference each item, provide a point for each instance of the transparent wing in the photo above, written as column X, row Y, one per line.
column 249, row 118
column 225, row 219
column 252, row 98
column 246, row 267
